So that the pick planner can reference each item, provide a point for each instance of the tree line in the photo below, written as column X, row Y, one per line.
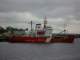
column 10, row 28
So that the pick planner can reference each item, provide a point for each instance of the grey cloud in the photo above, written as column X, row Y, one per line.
column 10, row 9
column 41, row 7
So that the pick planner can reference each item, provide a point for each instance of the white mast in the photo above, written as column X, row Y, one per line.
column 45, row 22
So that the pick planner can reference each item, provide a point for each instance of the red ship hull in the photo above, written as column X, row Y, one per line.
column 64, row 39
column 28, row 39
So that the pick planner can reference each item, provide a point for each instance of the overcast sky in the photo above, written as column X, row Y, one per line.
column 58, row 12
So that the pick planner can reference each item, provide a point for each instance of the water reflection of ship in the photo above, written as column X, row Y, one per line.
column 42, row 35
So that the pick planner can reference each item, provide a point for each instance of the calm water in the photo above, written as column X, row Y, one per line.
column 57, row 51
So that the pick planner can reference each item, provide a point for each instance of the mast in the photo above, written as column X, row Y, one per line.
column 64, row 28
column 65, row 25
column 45, row 22
column 31, row 25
